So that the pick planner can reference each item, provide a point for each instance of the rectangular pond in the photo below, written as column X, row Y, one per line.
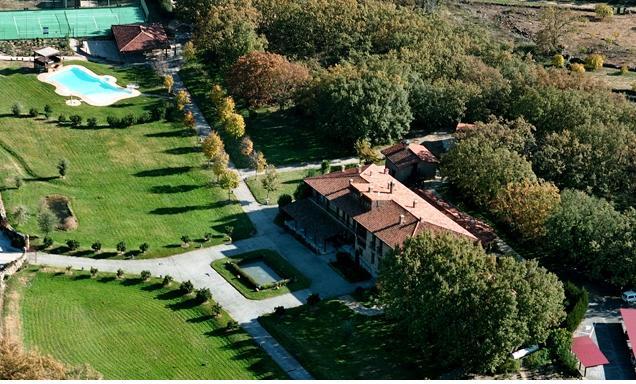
column 259, row 271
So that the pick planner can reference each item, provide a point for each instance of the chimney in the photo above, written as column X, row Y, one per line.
column 401, row 219
column 414, row 203
column 391, row 187
column 359, row 168
column 350, row 181
column 386, row 170
column 370, row 188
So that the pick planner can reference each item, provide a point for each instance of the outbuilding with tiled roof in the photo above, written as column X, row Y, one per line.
column 138, row 38
column 408, row 161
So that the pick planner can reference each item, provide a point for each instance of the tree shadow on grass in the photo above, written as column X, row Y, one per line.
column 131, row 281
column 152, row 287
column 167, row 171
column 106, row 279
column 166, row 189
column 187, row 208
column 222, row 332
column 172, row 133
column 62, row 249
column 59, row 273
column 82, row 277
column 184, row 304
column 170, row 295
column 200, row 319
column 182, row 150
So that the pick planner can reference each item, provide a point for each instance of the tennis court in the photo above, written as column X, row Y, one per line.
column 55, row 23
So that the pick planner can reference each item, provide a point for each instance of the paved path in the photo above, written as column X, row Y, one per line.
column 195, row 265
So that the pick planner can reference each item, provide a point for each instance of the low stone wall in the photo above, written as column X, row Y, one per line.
column 9, row 269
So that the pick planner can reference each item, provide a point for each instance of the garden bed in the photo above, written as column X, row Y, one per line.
column 61, row 208
column 260, row 274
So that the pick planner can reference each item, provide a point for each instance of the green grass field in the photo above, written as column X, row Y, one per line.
column 275, row 261
column 134, row 330
column 139, row 184
column 283, row 137
column 334, row 343
column 288, row 183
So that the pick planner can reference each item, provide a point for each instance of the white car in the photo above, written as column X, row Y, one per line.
column 629, row 297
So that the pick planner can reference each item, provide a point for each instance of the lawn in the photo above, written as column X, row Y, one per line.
column 288, row 183
column 128, row 329
column 275, row 261
column 284, row 138
column 139, row 184
column 334, row 343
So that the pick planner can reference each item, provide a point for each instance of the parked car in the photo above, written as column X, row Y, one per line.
column 629, row 297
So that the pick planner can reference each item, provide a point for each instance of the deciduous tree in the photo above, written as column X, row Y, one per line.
column 226, row 30
column 555, row 26
column 479, row 171
column 263, row 78
column 212, row 146
column 258, row 162
column 182, row 99
column 229, row 180
column 234, row 125
column 247, row 146
column 271, row 181
column 168, row 82
column 436, row 284
column 189, row 51
column 349, row 105
column 526, row 206
column 219, row 164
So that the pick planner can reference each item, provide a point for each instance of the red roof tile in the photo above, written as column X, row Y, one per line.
column 138, row 38
column 381, row 204
column 481, row 230
column 404, row 154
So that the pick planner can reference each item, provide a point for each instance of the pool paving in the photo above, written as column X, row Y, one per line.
column 260, row 271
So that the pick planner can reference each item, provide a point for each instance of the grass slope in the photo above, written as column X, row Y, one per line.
column 133, row 330
column 275, row 261
column 334, row 343
column 139, row 184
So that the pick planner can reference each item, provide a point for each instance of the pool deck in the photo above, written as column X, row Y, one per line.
column 94, row 100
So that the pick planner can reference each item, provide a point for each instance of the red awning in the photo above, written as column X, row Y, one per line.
column 629, row 321
column 587, row 352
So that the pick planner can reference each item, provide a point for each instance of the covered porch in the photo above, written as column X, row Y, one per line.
column 316, row 228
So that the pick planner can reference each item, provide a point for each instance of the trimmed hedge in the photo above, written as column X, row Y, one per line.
column 577, row 300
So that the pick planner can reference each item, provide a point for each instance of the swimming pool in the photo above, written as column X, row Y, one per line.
column 75, row 80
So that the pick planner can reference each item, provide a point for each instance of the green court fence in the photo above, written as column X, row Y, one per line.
column 60, row 23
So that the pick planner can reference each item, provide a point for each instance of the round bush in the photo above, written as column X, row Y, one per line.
column 594, row 62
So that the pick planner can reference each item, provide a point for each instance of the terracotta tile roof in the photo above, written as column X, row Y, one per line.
column 407, row 154
column 381, row 204
column 138, row 38
column 481, row 230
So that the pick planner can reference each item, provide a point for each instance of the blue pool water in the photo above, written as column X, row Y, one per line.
column 79, row 81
